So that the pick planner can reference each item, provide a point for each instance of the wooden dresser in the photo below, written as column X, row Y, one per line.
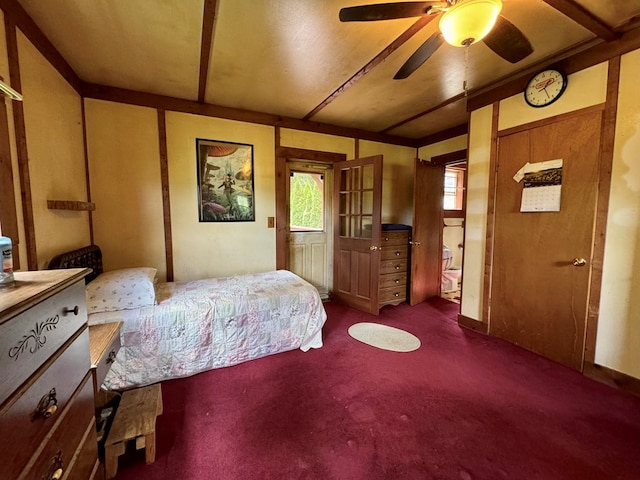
column 394, row 265
column 46, row 389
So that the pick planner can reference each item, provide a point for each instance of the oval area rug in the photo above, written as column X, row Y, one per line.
column 384, row 337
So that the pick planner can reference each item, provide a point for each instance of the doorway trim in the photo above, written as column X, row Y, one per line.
column 283, row 154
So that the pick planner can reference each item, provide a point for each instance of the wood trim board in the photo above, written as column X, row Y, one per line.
column 21, row 145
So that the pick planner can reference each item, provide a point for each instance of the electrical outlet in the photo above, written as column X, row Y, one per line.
column 271, row 222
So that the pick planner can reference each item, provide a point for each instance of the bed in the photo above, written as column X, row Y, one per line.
column 177, row 329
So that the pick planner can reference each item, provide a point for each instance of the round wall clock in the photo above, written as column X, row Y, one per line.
column 545, row 87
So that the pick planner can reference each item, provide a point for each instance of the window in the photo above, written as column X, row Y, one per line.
column 453, row 188
column 306, row 202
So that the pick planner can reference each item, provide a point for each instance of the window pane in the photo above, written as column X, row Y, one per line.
column 367, row 202
column 355, row 203
column 306, row 202
column 344, row 179
column 453, row 189
column 355, row 178
column 355, row 226
column 367, row 222
column 344, row 226
column 367, row 174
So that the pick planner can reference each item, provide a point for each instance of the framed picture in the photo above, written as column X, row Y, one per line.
column 225, row 181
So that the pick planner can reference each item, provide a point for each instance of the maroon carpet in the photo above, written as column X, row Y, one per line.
column 462, row 406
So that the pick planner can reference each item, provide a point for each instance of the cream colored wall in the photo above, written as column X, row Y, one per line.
column 618, row 341
column 584, row 88
column 214, row 249
column 478, row 161
column 55, row 145
column 441, row 148
column 453, row 237
column 4, row 73
column 618, row 336
column 317, row 141
column 397, row 180
column 124, row 167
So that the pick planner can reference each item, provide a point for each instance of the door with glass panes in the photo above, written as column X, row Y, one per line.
column 357, row 197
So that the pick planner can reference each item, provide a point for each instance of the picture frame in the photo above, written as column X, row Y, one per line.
column 225, row 181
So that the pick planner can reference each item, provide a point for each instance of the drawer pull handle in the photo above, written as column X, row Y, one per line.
column 56, row 468
column 397, row 281
column 73, row 310
column 397, row 267
column 396, row 294
column 48, row 404
column 397, row 254
column 112, row 357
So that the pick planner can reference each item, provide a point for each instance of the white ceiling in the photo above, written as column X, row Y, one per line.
column 285, row 57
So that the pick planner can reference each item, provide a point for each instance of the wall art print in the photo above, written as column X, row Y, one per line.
column 225, row 181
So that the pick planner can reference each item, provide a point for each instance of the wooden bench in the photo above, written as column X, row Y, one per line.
column 135, row 420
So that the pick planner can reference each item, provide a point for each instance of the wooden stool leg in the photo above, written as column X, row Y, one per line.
column 111, row 454
column 150, row 448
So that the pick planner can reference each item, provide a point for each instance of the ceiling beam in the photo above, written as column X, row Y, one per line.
column 209, row 17
column 132, row 97
column 393, row 46
column 584, row 17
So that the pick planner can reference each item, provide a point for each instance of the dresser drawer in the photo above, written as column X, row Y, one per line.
column 393, row 280
column 59, row 452
column 393, row 294
column 393, row 266
column 30, row 338
column 391, row 252
column 391, row 237
column 52, row 390
column 85, row 464
column 105, row 344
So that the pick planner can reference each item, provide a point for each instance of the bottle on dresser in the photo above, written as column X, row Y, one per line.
column 6, row 274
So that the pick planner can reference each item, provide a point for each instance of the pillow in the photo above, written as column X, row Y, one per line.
column 124, row 289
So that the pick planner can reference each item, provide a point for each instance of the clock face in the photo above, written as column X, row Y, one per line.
column 545, row 88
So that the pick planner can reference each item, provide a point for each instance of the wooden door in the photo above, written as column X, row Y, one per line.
column 538, row 297
column 426, row 244
column 357, row 205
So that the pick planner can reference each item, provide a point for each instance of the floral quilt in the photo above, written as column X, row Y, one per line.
column 204, row 324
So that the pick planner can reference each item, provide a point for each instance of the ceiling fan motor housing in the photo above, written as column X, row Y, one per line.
column 469, row 22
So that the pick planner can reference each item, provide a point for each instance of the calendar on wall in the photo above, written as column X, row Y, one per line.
column 542, row 186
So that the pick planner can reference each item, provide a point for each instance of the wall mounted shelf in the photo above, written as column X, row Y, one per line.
column 70, row 205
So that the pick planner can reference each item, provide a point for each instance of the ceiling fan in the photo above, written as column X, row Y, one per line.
column 462, row 23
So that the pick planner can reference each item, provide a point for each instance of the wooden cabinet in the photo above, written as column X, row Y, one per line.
column 46, row 390
column 394, row 266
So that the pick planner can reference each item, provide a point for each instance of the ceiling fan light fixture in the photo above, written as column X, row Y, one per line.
column 469, row 22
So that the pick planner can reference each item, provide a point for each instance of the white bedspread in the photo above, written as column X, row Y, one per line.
column 213, row 323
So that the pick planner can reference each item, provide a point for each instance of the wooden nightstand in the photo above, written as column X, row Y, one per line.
column 104, row 344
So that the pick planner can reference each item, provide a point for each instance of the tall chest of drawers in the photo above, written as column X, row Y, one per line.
column 394, row 264
column 46, row 391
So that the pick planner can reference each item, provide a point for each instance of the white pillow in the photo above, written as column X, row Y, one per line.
column 124, row 289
